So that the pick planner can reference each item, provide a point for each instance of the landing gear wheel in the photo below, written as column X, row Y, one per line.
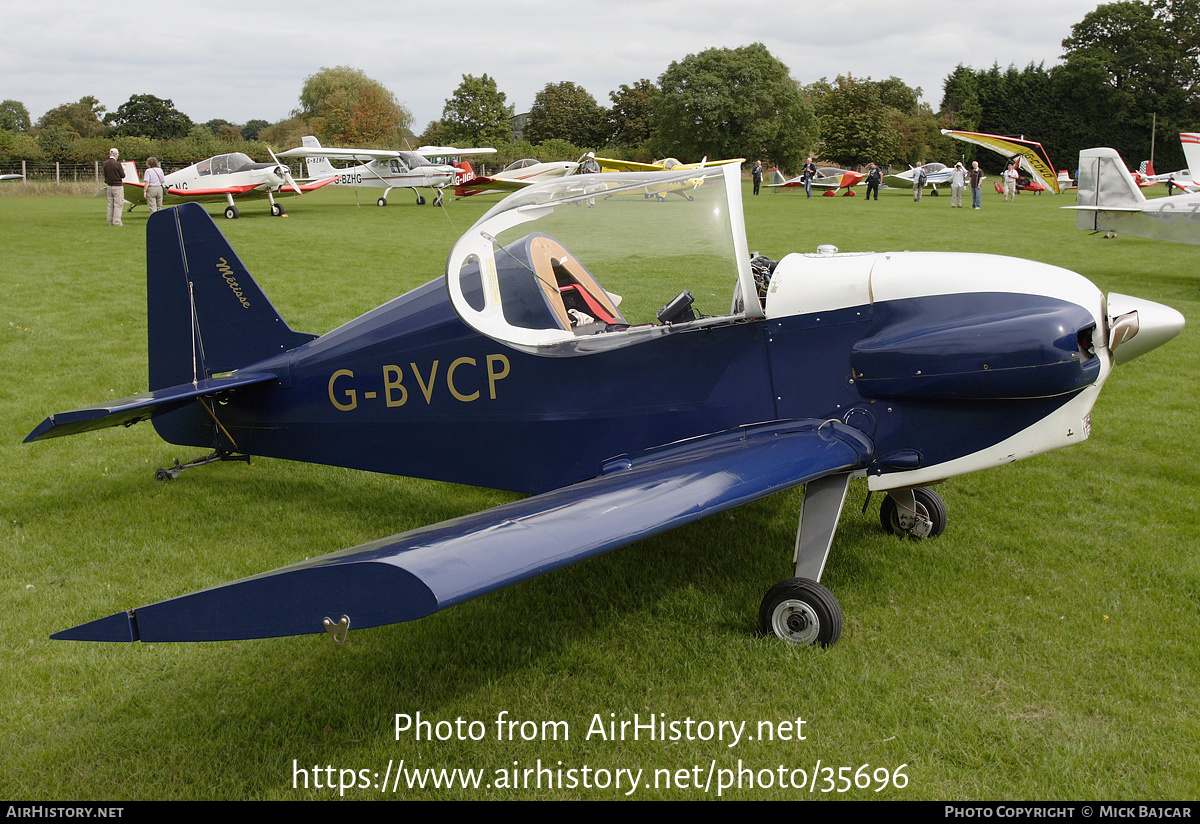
column 930, row 506
column 438, row 201
column 801, row 612
column 276, row 210
column 420, row 200
column 381, row 202
column 231, row 212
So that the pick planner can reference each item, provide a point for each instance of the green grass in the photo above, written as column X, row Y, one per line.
column 1045, row 647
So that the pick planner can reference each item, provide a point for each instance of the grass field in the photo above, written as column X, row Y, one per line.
column 1047, row 646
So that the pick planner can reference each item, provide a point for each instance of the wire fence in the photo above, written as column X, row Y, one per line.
column 66, row 173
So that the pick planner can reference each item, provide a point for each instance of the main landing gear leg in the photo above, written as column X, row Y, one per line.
column 170, row 473
column 799, row 610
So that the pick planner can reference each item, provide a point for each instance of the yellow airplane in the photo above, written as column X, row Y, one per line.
column 668, row 164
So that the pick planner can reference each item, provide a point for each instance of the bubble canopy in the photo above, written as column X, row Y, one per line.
column 585, row 263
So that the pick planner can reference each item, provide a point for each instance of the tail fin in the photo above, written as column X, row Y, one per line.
column 464, row 174
column 207, row 316
column 777, row 178
column 318, row 166
column 1104, row 182
column 131, row 174
column 1191, row 151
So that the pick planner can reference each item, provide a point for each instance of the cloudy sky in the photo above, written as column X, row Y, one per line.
column 248, row 59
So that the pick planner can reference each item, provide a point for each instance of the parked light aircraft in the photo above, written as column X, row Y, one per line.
column 516, row 175
column 1029, row 155
column 1109, row 200
column 936, row 174
column 827, row 178
column 383, row 168
column 223, row 178
column 609, row 164
column 1185, row 179
column 519, row 369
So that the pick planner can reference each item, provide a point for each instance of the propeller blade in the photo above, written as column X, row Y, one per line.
column 287, row 173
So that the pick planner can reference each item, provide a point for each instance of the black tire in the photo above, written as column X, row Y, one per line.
column 381, row 202
column 801, row 612
column 231, row 212
column 420, row 200
column 929, row 505
column 276, row 210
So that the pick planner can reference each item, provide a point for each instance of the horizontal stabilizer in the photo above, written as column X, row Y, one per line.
column 419, row 572
column 128, row 411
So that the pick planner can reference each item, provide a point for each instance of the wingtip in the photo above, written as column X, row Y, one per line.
column 119, row 627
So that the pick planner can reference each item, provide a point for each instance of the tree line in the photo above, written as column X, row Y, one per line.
column 1125, row 65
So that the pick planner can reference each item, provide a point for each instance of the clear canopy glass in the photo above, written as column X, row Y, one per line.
column 591, row 262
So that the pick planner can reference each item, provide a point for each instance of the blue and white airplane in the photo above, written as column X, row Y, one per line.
column 522, row 369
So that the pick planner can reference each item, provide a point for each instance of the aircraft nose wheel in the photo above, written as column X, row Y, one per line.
column 801, row 612
column 926, row 519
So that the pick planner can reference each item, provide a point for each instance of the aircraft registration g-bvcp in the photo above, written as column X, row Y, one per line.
column 529, row 372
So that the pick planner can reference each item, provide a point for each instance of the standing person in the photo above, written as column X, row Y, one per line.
column 156, row 184
column 113, row 175
column 810, row 171
column 918, row 183
column 757, row 174
column 1010, row 184
column 976, row 185
column 874, row 178
column 590, row 167
column 958, row 182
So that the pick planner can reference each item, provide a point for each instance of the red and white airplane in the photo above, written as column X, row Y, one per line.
column 517, row 175
column 223, row 178
column 828, row 178
column 1185, row 179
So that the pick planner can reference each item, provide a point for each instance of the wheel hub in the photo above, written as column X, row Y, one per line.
column 796, row 622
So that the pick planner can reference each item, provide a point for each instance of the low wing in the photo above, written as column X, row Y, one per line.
column 416, row 573
column 251, row 190
column 478, row 185
column 609, row 164
column 310, row 186
column 128, row 411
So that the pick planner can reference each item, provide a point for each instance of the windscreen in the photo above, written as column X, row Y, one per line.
column 591, row 261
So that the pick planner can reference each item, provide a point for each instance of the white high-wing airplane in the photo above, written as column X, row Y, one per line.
column 936, row 174
column 1109, row 200
column 223, row 178
column 384, row 168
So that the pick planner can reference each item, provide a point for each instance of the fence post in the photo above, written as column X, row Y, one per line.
column 97, row 162
column 57, row 177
